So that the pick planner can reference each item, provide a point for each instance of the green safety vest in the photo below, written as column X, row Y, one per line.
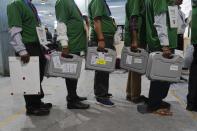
column 155, row 7
column 98, row 8
column 21, row 15
column 68, row 13
column 135, row 8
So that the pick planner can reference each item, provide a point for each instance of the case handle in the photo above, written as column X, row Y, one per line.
column 135, row 50
column 102, row 50
column 67, row 56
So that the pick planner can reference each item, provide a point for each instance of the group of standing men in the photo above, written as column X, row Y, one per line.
column 147, row 26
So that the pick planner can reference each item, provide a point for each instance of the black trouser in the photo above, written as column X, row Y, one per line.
column 71, row 85
column 157, row 92
column 192, row 89
column 35, row 49
column 180, row 41
column 101, row 79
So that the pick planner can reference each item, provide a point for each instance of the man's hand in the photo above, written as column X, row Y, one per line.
column 101, row 44
column 25, row 58
column 134, row 45
column 166, row 52
column 65, row 51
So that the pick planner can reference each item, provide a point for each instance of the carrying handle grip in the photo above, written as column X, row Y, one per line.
column 170, row 57
column 135, row 50
column 67, row 56
column 102, row 50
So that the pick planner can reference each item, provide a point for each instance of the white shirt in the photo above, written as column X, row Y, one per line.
column 181, row 22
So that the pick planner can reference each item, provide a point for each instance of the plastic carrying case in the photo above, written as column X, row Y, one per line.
column 164, row 69
column 100, row 61
column 58, row 66
column 134, row 61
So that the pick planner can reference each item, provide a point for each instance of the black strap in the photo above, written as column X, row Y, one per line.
column 107, row 8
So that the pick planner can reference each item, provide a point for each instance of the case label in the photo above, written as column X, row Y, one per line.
column 174, row 68
column 129, row 59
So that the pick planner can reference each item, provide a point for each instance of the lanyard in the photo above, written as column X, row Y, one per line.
column 33, row 8
column 109, row 12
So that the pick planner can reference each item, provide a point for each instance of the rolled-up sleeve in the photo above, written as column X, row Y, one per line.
column 16, row 40
column 161, row 27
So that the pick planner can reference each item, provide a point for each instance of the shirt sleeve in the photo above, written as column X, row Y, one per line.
column 133, row 8
column 62, row 34
column 133, row 13
column 16, row 40
column 62, row 10
column 98, row 8
column 162, row 30
column 62, row 15
column 14, row 15
column 159, row 6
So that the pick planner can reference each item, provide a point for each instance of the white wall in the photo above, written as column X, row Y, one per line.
column 5, row 49
column 186, row 7
column 83, row 5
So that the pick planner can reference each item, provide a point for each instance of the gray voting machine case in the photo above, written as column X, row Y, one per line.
column 101, row 61
column 164, row 69
column 59, row 66
column 134, row 61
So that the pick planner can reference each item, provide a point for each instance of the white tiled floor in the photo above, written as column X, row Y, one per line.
column 124, row 117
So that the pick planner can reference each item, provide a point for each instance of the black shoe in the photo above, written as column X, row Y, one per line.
column 105, row 102
column 77, row 98
column 77, row 105
column 144, row 109
column 45, row 105
column 128, row 98
column 191, row 108
column 37, row 112
column 109, row 95
column 165, row 105
column 139, row 99
column 81, row 98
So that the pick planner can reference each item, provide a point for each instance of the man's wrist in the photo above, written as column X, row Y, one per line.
column 64, row 43
column 101, row 39
column 165, row 48
column 64, row 47
column 23, row 52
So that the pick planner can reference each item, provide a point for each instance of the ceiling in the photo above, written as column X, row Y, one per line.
column 46, row 10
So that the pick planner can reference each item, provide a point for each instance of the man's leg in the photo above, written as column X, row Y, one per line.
column 101, row 83
column 134, row 88
column 158, row 91
column 128, row 89
column 136, row 96
column 73, row 100
column 180, row 42
column 71, row 88
column 33, row 102
column 192, row 88
column 136, row 85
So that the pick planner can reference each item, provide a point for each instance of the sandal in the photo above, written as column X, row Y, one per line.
column 163, row 112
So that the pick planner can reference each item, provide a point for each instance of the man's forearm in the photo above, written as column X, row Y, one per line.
column 98, row 28
column 134, row 28
column 134, row 36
